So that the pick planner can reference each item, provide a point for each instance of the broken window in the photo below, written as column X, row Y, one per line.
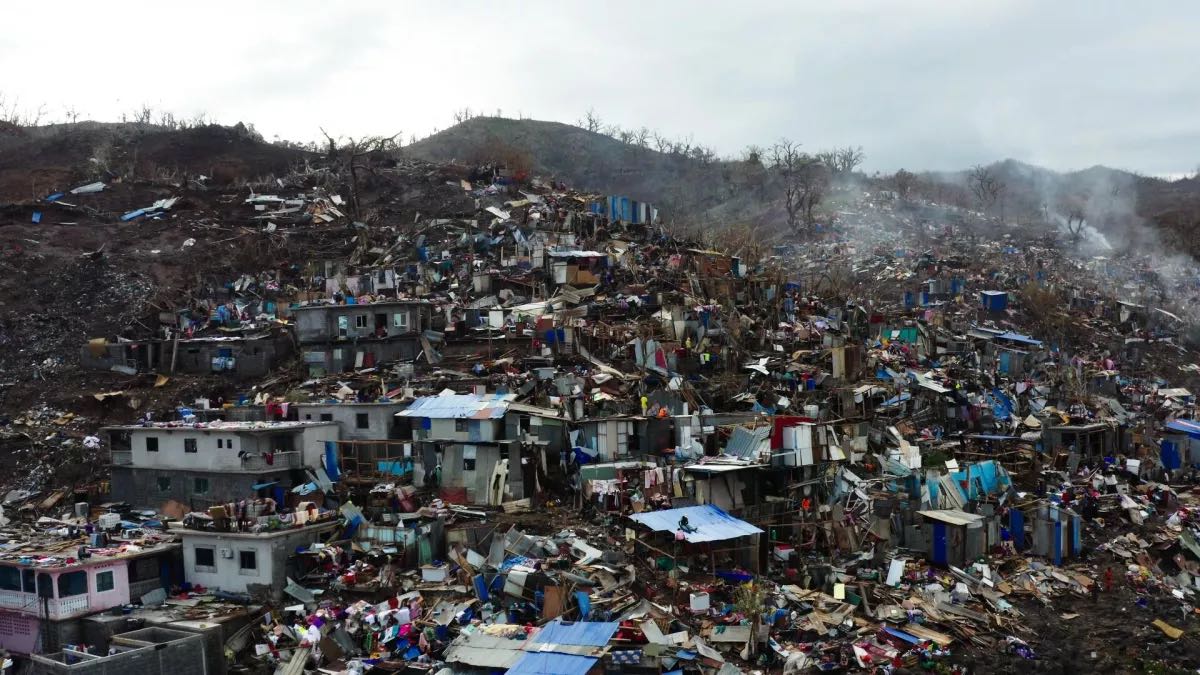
column 362, row 421
column 164, row 483
column 400, row 320
column 200, row 486
column 469, row 458
column 343, row 325
column 206, row 559
column 189, row 445
column 248, row 561
column 152, row 444
column 105, row 581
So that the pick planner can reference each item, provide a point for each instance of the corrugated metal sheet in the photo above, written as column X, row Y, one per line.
column 590, row 633
column 710, row 522
column 747, row 443
column 458, row 406
column 549, row 663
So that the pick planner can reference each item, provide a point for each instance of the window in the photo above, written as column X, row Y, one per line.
column 460, row 425
column 248, row 562
column 362, row 421
column 307, row 416
column 10, row 579
column 400, row 320
column 104, row 581
column 206, row 559
column 469, row 458
column 220, row 443
column 189, row 445
column 326, row 417
column 72, row 583
column 200, row 486
column 360, row 321
column 152, row 444
column 164, row 483
column 27, row 581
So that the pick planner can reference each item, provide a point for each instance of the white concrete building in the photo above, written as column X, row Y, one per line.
column 229, row 561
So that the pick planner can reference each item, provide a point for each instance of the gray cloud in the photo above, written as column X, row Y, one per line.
column 923, row 85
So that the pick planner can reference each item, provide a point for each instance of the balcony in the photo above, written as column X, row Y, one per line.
column 280, row 460
column 29, row 603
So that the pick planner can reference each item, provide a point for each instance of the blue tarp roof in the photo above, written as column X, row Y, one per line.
column 1185, row 426
column 579, row 633
column 549, row 663
column 710, row 522
column 457, row 406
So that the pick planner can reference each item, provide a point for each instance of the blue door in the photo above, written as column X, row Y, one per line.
column 939, row 544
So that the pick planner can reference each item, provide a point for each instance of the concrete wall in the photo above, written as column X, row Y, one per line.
column 252, row 358
column 472, row 431
column 140, row 487
column 381, row 418
column 338, row 358
column 324, row 323
column 150, row 651
column 271, row 551
column 217, row 450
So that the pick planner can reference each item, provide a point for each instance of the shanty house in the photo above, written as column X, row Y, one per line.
column 955, row 536
column 461, row 446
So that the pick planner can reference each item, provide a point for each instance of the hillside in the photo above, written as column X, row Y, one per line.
column 683, row 186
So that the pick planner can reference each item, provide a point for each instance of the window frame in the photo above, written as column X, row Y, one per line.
column 362, row 321
column 212, row 555
column 191, row 446
column 242, row 568
column 196, row 485
column 362, row 421
column 163, row 483
column 396, row 320
column 152, row 444
column 112, row 581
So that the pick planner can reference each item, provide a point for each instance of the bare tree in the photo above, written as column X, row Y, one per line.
column 592, row 122
column 661, row 143
column 904, row 182
column 351, row 151
column 987, row 187
column 463, row 115
column 805, row 180
column 641, row 137
column 753, row 154
column 842, row 160
column 72, row 114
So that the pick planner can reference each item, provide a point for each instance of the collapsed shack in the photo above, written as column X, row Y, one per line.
column 698, row 532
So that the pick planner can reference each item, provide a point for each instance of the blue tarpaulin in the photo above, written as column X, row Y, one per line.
column 549, row 663
column 577, row 633
column 1170, row 456
column 708, row 522
column 331, row 463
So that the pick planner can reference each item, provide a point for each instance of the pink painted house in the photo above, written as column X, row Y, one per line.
column 42, row 596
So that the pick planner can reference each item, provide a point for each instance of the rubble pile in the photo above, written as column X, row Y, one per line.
column 449, row 419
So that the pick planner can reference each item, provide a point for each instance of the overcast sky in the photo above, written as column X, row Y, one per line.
column 921, row 85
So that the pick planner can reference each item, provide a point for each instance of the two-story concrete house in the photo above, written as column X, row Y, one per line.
column 45, row 593
column 338, row 338
column 212, row 463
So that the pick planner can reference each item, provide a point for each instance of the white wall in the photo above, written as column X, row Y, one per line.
column 379, row 417
column 208, row 457
column 227, row 575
